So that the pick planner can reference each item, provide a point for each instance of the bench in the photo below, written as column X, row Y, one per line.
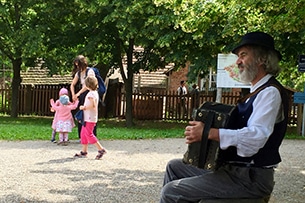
column 260, row 200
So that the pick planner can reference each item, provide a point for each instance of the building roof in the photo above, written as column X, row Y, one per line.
column 155, row 79
column 40, row 76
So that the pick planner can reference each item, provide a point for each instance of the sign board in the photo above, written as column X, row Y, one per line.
column 299, row 98
column 227, row 72
column 301, row 66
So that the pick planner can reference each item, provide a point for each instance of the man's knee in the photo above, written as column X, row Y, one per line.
column 167, row 193
column 164, row 193
column 174, row 163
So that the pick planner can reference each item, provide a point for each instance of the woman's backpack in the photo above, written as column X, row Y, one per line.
column 101, row 85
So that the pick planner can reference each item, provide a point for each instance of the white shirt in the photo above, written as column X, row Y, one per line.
column 184, row 91
column 91, row 115
column 267, row 110
column 83, row 75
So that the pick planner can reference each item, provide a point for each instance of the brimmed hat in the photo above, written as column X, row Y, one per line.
column 260, row 39
column 64, row 99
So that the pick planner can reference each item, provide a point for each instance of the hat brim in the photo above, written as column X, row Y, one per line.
column 245, row 43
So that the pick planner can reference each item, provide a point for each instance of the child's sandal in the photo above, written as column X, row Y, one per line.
column 81, row 155
column 100, row 154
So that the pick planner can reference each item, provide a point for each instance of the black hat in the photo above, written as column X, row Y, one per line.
column 260, row 39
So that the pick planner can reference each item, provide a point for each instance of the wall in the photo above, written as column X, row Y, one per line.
column 176, row 76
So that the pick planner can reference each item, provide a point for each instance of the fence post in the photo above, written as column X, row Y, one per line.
column 28, row 100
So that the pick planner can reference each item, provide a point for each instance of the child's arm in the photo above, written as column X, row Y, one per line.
column 91, row 105
column 52, row 102
column 54, row 105
column 73, row 105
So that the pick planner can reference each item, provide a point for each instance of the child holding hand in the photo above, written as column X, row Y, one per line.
column 62, row 91
column 90, row 114
column 63, row 121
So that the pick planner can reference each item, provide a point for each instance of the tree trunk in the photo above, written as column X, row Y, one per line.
column 15, row 87
column 127, row 78
column 129, row 85
column 129, row 108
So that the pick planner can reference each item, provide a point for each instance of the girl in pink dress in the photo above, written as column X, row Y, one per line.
column 62, row 91
column 63, row 121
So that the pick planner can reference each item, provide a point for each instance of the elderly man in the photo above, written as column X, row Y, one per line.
column 251, row 152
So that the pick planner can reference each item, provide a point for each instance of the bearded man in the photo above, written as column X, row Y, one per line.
column 249, row 153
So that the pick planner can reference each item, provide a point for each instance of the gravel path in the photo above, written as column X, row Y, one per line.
column 131, row 172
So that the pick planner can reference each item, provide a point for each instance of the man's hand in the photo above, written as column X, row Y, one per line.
column 193, row 132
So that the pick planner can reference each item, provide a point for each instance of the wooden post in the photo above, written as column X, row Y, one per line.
column 299, row 119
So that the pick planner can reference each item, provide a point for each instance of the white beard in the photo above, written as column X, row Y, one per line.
column 248, row 73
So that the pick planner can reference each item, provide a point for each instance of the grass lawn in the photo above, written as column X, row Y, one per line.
column 39, row 128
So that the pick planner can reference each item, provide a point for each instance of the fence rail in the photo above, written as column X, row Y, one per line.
column 160, row 105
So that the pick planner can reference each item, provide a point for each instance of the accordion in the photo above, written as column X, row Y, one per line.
column 204, row 154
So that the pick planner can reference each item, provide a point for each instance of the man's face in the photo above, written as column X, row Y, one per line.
column 248, row 68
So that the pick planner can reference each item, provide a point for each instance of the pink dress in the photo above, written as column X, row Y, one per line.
column 63, row 120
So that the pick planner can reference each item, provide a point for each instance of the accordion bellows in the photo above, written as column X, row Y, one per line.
column 204, row 154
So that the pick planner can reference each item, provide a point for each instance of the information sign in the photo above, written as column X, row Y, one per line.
column 299, row 98
column 227, row 72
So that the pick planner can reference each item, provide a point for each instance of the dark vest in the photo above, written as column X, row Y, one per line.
column 269, row 154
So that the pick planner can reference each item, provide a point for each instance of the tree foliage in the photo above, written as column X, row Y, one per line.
column 20, row 38
column 169, row 31
column 220, row 24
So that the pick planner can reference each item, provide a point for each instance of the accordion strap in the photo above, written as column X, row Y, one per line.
column 204, row 138
column 243, row 99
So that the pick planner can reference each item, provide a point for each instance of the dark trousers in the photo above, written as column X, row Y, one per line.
column 185, row 183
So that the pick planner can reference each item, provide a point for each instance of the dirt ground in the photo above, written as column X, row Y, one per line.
column 131, row 172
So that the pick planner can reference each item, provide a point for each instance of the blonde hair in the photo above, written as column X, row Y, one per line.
column 91, row 82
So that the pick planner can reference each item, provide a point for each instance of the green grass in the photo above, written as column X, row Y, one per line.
column 39, row 128
column 293, row 134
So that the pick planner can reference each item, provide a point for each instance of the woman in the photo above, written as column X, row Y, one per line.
column 77, row 87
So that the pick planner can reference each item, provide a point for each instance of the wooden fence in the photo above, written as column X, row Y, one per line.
column 164, row 105
column 160, row 105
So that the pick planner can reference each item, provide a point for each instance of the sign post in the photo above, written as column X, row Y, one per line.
column 299, row 98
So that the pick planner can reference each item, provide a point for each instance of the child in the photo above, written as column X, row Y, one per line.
column 62, row 91
column 90, row 109
column 63, row 121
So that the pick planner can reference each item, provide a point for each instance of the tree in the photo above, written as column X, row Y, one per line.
column 284, row 21
column 169, row 31
column 106, row 32
column 220, row 24
column 118, row 27
column 20, row 39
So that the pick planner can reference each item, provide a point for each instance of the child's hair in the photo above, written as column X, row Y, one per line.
column 63, row 91
column 91, row 82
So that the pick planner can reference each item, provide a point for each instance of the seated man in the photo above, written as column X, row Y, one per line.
column 250, row 153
